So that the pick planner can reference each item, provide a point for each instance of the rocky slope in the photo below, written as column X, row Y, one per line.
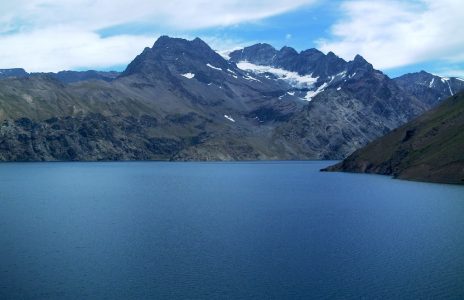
column 428, row 87
column 429, row 148
column 350, row 103
column 5, row 73
column 180, row 100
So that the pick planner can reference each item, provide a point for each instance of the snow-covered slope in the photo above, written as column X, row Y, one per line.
column 292, row 78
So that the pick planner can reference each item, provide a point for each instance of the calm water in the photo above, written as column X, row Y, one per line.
column 225, row 231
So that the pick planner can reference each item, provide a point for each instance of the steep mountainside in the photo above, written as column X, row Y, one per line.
column 351, row 103
column 180, row 100
column 428, row 87
column 430, row 148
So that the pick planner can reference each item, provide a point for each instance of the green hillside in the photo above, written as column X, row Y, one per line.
column 429, row 148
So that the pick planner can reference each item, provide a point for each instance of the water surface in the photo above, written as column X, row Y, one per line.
column 279, row 230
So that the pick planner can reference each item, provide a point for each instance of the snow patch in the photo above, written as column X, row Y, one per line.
column 188, row 75
column 291, row 93
column 339, row 88
column 229, row 118
column 431, row 82
column 293, row 78
column 447, row 81
column 311, row 94
column 226, row 53
column 341, row 74
column 213, row 67
column 449, row 86
column 248, row 77
column 232, row 73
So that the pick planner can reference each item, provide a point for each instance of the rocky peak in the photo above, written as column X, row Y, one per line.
column 170, row 52
column 308, row 62
column 260, row 54
column 288, row 51
column 311, row 52
column 359, row 64
column 178, row 44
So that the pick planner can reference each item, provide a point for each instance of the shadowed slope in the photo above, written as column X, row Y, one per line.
column 430, row 148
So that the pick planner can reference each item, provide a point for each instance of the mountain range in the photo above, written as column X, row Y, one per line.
column 181, row 100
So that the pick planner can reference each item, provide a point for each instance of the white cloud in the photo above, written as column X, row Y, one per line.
column 50, row 35
column 451, row 73
column 50, row 50
column 397, row 33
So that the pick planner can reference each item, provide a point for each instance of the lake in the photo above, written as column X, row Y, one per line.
column 259, row 230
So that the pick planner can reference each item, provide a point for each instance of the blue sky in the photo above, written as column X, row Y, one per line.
column 395, row 36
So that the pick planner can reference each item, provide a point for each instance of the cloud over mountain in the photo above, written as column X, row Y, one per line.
column 47, row 35
column 397, row 33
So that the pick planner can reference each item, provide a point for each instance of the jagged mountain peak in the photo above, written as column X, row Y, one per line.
column 330, row 53
column 358, row 58
column 260, row 46
column 177, row 53
column 310, row 62
column 360, row 62
column 311, row 51
column 288, row 50
column 261, row 54
column 178, row 43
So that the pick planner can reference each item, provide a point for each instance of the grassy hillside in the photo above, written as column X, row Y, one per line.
column 429, row 148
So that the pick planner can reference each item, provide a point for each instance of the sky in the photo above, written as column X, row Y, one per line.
column 396, row 36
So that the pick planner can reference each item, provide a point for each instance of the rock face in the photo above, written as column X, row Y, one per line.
column 87, row 137
column 5, row 73
column 428, row 87
column 180, row 100
column 430, row 148
column 351, row 103
column 307, row 62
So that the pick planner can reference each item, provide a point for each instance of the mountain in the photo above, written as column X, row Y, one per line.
column 429, row 148
column 63, row 76
column 76, row 76
column 177, row 100
column 5, row 73
column 428, row 87
column 350, row 103
column 180, row 100
column 309, row 62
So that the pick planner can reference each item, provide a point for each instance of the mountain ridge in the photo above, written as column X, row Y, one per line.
column 201, row 106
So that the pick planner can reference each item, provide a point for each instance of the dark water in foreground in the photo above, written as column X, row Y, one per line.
column 225, row 230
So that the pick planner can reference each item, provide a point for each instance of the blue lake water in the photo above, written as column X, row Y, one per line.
column 280, row 230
